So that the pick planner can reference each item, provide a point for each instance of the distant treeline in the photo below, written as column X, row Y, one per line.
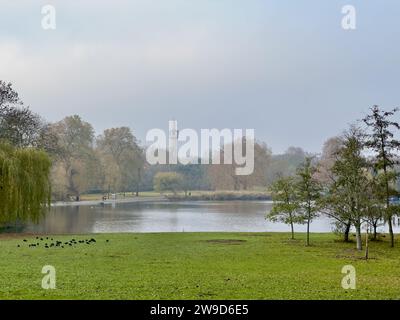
column 114, row 161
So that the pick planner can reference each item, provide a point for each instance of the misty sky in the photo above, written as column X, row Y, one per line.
column 285, row 68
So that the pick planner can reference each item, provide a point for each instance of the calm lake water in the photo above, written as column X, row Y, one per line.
column 196, row 216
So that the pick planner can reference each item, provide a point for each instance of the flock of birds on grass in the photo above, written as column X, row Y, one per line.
column 51, row 243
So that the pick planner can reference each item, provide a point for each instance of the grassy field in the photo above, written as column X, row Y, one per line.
column 196, row 266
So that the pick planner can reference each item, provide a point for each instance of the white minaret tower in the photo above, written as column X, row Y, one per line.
column 173, row 142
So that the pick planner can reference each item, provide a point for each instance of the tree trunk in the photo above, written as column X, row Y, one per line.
column 236, row 184
column 308, row 223
column 347, row 232
column 389, row 216
column 358, row 236
column 138, row 183
column 375, row 232
column 366, row 245
column 391, row 231
column 292, row 228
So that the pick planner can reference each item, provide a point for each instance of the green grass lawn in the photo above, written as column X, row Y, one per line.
column 197, row 266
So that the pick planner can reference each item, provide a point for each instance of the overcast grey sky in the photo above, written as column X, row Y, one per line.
column 285, row 67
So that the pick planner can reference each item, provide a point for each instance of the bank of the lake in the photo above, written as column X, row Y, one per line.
column 97, row 202
column 196, row 266
column 196, row 195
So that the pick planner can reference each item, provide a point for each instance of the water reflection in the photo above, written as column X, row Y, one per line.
column 197, row 216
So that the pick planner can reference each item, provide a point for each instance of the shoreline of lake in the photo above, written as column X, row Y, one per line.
column 209, row 196
column 107, row 202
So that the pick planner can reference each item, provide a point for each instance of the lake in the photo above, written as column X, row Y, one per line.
column 164, row 216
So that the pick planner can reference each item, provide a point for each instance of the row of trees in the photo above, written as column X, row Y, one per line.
column 111, row 162
column 352, row 182
column 114, row 161
column 222, row 176
column 81, row 162
column 84, row 163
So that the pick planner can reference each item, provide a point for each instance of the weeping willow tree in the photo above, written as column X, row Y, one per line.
column 24, row 183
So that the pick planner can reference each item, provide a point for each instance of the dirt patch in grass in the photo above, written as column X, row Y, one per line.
column 353, row 254
column 226, row 241
column 342, row 241
column 354, row 258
